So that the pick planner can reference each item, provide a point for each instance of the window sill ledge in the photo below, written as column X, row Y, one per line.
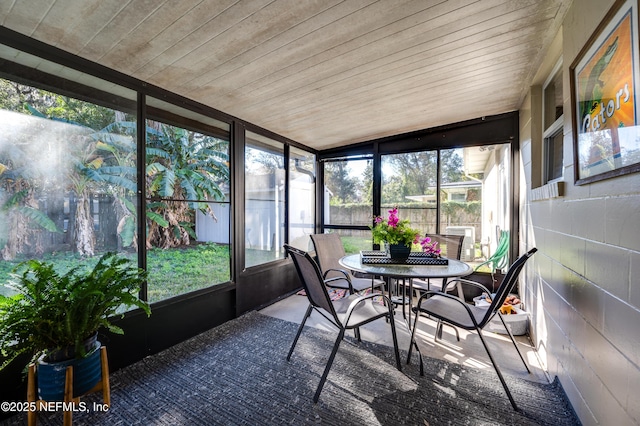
column 548, row 191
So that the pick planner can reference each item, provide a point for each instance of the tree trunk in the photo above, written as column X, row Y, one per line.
column 108, row 223
column 55, row 211
column 84, row 234
column 19, row 235
column 122, row 214
column 16, row 235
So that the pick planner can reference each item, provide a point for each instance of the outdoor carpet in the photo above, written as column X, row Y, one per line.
column 237, row 374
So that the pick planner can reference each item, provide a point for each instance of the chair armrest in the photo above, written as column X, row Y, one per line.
column 466, row 282
column 347, row 276
column 357, row 300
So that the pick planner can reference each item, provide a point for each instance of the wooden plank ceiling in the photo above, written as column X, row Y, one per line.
column 324, row 73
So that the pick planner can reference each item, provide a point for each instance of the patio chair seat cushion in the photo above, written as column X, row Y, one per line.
column 452, row 311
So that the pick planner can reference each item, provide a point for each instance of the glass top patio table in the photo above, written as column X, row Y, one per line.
column 455, row 268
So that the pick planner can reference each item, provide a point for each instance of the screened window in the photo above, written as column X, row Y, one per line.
column 348, row 201
column 348, row 192
column 553, row 156
column 409, row 182
column 461, row 196
column 67, row 178
column 459, row 191
column 187, row 209
column 264, row 199
column 552, row 123
column 302, row 197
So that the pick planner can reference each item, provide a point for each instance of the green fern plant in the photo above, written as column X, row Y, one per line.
column 52, row 311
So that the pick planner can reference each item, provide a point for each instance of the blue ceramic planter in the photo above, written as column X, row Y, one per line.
column 51, row 376
column 68, row 353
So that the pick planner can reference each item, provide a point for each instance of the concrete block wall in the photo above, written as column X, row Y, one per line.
column 583, row 286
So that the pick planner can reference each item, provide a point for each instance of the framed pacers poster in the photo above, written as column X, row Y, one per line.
column 604, row 98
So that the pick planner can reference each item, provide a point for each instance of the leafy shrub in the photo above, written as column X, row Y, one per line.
column 52, row 311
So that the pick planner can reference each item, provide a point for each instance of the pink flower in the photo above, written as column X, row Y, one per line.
column 429, row 247
column 393, row 218
column 393, row 230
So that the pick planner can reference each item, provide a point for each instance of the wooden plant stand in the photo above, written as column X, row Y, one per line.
column 69, row 400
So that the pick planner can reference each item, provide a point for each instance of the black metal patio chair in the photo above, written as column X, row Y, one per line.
column 451, row 246
column 453, row 310
column 347, row 313
column 329, row 250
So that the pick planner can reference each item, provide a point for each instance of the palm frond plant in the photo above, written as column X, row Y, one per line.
column 181, row 165
column 20, row 218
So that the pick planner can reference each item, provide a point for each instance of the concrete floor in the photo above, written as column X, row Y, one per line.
column 469, row 351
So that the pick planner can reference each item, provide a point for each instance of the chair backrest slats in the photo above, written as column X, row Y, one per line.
column 451, row 245
column 311, row 279
column 329, row 250
column 507, row 285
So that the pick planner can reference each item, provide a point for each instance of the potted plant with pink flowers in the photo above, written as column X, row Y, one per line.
column 397, row 235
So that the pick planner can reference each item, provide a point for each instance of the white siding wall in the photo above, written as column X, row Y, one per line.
column 210, row 230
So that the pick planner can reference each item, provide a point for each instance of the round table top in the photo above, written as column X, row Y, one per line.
column 455, row 268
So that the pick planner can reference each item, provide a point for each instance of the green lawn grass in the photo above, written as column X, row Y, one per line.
column 171, row 271
column 178, row 271
column 353, row 245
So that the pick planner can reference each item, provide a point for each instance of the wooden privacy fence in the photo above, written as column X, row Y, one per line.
column 421, row 218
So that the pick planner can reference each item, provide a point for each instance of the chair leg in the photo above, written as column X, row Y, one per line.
column 295, row 340
column 457, row 333
column 413, row 342
column 328, row 366
column 439, row 326
column 395, row 339
column 495, row 366
column 356, row 332
column 513, row 340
